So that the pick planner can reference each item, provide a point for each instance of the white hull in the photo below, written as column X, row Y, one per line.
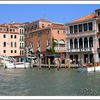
column 11, row 63
column 89, row 69
column 17, row 65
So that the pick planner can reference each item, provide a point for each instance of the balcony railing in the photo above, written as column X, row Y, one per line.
column 79, row 50
column 60, row 48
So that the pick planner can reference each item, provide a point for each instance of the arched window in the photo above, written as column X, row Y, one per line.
column 85, row 42
column 80, row 43
column 62, row 43
column 71, row 44
column 91, row 42
column 75, row 44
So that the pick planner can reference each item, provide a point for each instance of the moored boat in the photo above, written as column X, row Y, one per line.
column 89, row 69
column 11, row 63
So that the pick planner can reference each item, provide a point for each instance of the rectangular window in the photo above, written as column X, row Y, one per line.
column 11, row 36
column 4, row 51
column 15, row 51
column 98, row 13
column 11, row 51
column 75, row 28
column 10, row 30
column 15, row 36
column 90, row 26
column 7, row 29
column 4, row 44
column 58, row 32
column 80, row 27
column 71, row 29
column 4, row 36
column 15, row 44
column 85, row 26
column 0, row 29
column 13, row 30
column 11, row 44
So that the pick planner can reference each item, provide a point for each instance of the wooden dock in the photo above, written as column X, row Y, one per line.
column 55, row 66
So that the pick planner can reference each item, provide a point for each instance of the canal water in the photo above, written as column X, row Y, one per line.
column 44, row 82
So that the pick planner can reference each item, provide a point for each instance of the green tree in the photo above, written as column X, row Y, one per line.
column 52, row 48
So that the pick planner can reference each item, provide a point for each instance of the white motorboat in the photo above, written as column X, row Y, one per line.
column 11, row 63
column 89, row 69
column 17, row 65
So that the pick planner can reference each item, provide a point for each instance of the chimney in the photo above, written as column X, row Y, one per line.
column 97, row 12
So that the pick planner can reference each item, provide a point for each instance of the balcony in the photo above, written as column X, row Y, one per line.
column 60, row 48
column 79, row 50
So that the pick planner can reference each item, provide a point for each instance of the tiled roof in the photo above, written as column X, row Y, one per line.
column 84, row 18
column 58, row 26
column 12, row 26
column 38, row 30
column 8, row 26
column 41, row 20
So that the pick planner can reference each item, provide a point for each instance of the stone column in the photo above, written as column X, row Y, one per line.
column 87, row 27
column 88, row 42
column 78, row 42
column 83, row 42
column 95, row 26
column 95, row 52
column 68, row 44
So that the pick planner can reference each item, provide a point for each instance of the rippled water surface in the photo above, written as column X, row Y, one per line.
column 44, row 82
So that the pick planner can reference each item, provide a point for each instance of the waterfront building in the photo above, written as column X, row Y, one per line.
column 41, row 36
column 9, row 40
column 21, row 31
column 83, row 39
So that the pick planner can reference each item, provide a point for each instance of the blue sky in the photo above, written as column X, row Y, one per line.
column 61, row 13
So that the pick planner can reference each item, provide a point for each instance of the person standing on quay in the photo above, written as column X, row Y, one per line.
column 56, row 62
column 69, row 66
column 59, row 60
column 49, row 63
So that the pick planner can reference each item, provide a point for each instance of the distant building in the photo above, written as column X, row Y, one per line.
column 83, row 38
column 21, row 31
column 41, row 34
column 9, row 40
